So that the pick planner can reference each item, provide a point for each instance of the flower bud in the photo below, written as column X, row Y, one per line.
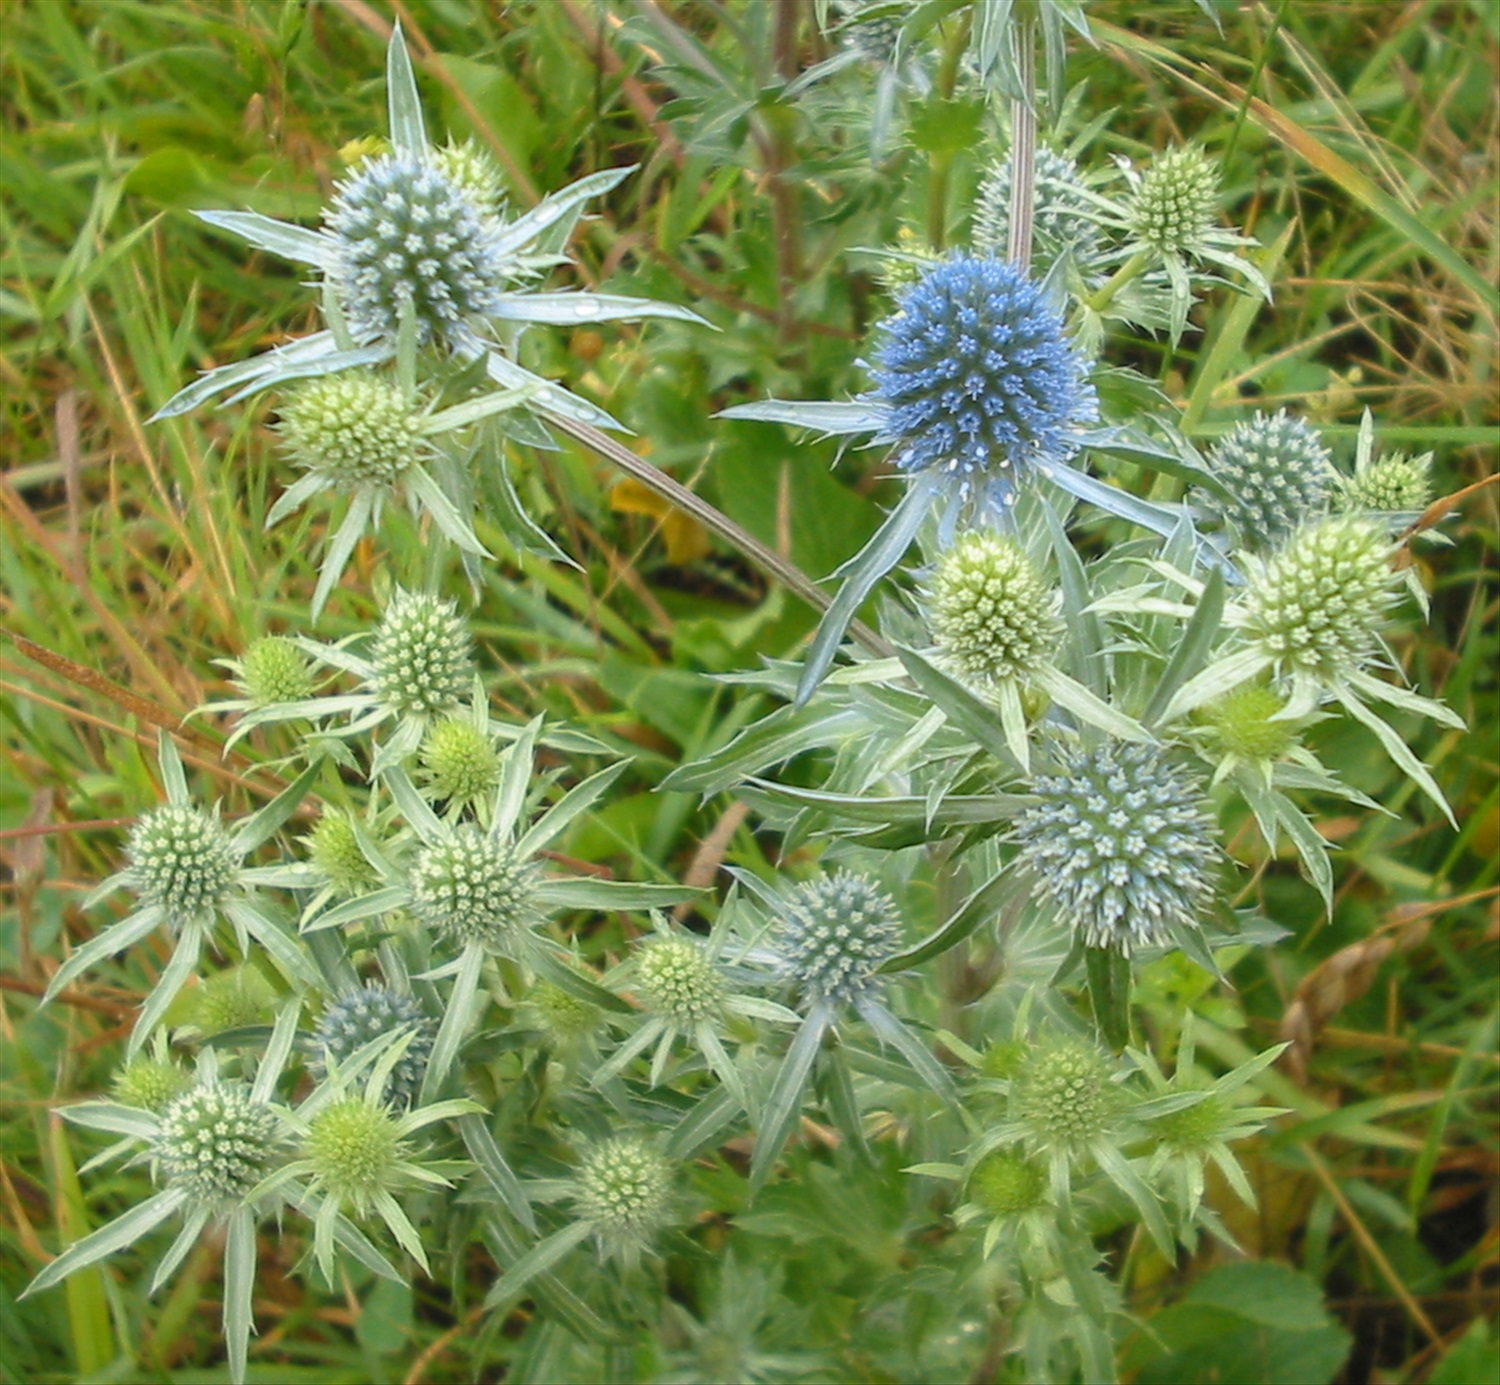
column 991, row 613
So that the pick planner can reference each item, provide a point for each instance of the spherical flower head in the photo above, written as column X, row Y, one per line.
column 469, row 888
column 1394, row 482
column 1241, row 723
column 475, row 172
column 1065, row 1096
column 354, row 1148
column 407, row 233
column 181, row 860
column 1277, row 474
column 678, row 980
column 1062, row 218
column 1176, row 200
column 978, row 377
column 1119, row 842
column 874, row 38
column 421, row 655
column 354, row 428
column 216, row 1143
column 274, row 669
column 361, row 1016
column 839, row 930
column 151, row 1084
column 563, row 1015
column 334, row 850
column 1195, row 1129
column 1006, row 1184
column 1316, row 605
column 232, row 999
column 459, row 761
column 624, row 1189
column 991, row 612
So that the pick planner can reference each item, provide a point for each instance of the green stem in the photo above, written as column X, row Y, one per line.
column 1108, row 971
column 942, row 161
column 1131, row 269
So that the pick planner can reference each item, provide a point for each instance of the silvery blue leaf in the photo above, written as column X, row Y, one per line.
column 819, row 415
column 295, row 243
column 408, row 131
column 550, row 210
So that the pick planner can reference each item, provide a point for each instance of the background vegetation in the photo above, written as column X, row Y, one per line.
column 1360, row 139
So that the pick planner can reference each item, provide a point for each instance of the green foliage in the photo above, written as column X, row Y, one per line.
column 884, row 1189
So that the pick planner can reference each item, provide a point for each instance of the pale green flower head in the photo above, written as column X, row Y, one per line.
column 992, row 615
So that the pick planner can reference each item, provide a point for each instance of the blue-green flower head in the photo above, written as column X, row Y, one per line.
column 1064, row 218
column 406, row 232
column 181, row 860
column 216, row 1143
column 1277, row 474
column 979, row 379
column 363, row 1015
column 470, row 888
column 421, row 654
column 839, row 930
column 1120, row 843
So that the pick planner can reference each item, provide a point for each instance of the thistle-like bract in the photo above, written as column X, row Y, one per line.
column 1062, row 219
column 421, row 654
column 470, row 888
column 1120, row 844
column 1176, row 200
column 624, row 1190
column 1277, row 475
column 181, row 860
column 978, row 377
column 274, row 669
column 991, row 613
column 232, row 999
column 355, row 428
column 215, row 1143
column 839, row 929
column 1317, row 604
column 411, row 240
column 459, row 761
column 678, row 980
column 361, row 1016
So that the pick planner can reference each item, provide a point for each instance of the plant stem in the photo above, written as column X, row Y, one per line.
column 716, row 521
column 942, row 159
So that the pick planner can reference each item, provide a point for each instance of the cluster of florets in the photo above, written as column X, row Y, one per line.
column 1006, row 1184
column 1394, row 482
column 334, row 850
column 1176, row 200
column 470, row 888
column 978, row 377
column 1244, row 723
column 421, row 654
column 475, row 172
column 1061, row 218
column 232, row 999
column 991, row 613
column 215, row 1143
column 624, row 1189
column 181, row 860
column 839, row 930
column 411, row 238
column 354, row 1147
column 1119, row 843
column 1065, row 1096
column 1317, row 604
column 360, row 1017
column 459, row 761
column 355, row 428
column 275, row 669
column 151, row 1084
column 1276, row 475
column 678, row 980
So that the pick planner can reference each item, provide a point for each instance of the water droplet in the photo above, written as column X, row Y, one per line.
column 584, row 308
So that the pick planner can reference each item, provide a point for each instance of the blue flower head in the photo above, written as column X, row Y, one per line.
column 978, row 377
